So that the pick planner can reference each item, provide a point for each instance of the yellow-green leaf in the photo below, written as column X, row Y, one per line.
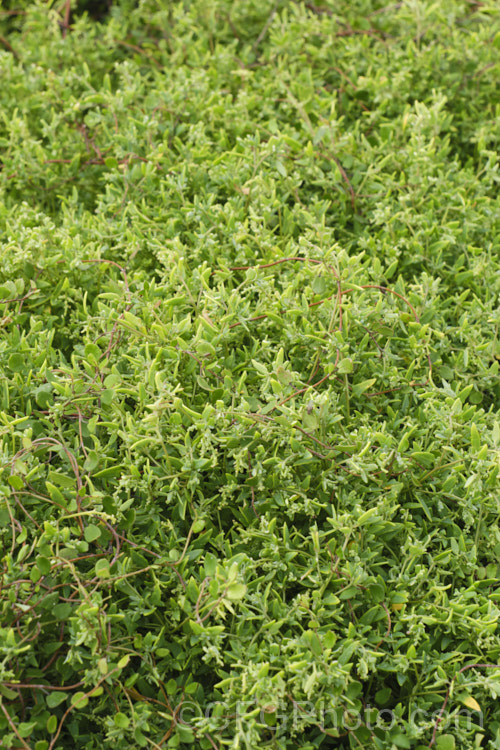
column 471, row 702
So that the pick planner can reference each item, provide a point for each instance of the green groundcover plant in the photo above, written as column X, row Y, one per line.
column 249, row 356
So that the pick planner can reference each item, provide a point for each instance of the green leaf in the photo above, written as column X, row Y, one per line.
column 284, row 376
column 359, row 388
column 55, row 698
column 196, row 627
column 345, row 365
column 171, row 687
column 79, row 700
column 315, row 643
column 44, row 565
column 121, row 720
column 140, row 738
column 43, row 395
column 319, row 285
column 391, row 270
column 400, row 740
column 62, row 480
column 445, row 742
column 102, row 569
column 310, row 421
column 424, row 457
column 210, row 564
column 382, row 696
column 62, row 611
column 51, row 724
column 185, row 734
column 17, row 362
column 92, row 532
column 8, row 693
column 25, row 728
column 198, row 525
column 475, row 438
column 259, row 367
column 236, row 591
column 123, row 661
column 55, row 494
column 15, row 481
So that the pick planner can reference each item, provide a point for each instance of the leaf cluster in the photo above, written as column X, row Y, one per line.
column 249, row 394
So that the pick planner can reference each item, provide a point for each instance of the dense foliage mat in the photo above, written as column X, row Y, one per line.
column 249, row 354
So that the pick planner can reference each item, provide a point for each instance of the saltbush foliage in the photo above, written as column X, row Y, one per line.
column 249, row 351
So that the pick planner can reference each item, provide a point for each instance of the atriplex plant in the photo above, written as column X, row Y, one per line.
column 249, row 434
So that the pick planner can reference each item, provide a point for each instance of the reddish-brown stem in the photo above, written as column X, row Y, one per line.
column 67, row 13
column 13, row 726
column 251, row 486
column 315, row 261
column 18, row 299
column 39, row 686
